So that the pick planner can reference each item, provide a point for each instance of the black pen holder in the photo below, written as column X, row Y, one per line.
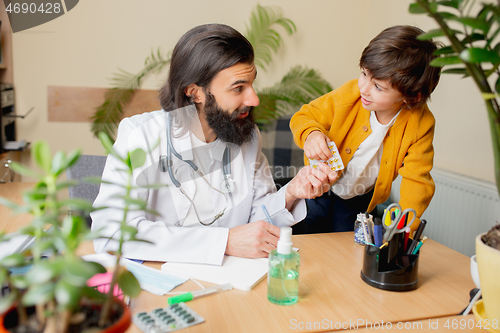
column 389, row 268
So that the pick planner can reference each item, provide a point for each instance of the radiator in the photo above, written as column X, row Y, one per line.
column 461, row 209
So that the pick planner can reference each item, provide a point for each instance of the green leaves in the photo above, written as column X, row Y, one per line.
column 40, row 152
column 477, row 55
column 299, row 86
column 6, row 302
column 128, row 284
column 78, row 271
column 431, row 34
column 443, row 61
column 108, row 114
column 472, row 45
column 44, row 271
column 22, row 170
column 137, row 158
column 108, row 145
column 417, row 8
column 61, row 279
column 125, row 84
column 12, row 260
column 40, row 293
column 66, row 294
column 262, row 35
column 475, row 23
column 133, row 160
column 475, row 47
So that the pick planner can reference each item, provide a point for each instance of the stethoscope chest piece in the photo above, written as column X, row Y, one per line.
column 227, row 185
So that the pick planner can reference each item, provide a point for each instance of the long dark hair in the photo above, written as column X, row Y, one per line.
column 198, row 56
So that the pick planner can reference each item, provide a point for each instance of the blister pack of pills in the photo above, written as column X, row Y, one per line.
column 335, row 162
column 169, row 319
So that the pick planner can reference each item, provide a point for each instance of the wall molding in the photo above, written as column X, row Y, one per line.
column 78, row 104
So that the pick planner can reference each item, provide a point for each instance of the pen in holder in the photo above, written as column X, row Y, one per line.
column 389, row 268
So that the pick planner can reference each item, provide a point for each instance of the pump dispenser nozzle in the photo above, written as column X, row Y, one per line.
column 285, row 241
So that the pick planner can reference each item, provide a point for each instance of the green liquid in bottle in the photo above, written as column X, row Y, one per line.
column 283, row 278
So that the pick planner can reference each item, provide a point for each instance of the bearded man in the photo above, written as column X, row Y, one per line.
column 205, row 148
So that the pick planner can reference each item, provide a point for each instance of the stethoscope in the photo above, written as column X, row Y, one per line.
column 227, row 185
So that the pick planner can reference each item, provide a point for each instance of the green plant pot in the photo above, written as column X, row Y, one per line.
column 488, row 263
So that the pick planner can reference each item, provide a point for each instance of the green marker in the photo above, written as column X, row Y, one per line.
column 199, row 293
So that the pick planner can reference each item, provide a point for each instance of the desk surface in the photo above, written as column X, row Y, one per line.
column 331, row 292
column 10, row 222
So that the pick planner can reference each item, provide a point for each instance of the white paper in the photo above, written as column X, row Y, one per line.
column 14, row 244
column 242, row 273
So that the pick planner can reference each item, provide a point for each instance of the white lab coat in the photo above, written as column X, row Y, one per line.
column 195, row 243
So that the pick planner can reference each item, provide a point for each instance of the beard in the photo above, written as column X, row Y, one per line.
column 227, row 126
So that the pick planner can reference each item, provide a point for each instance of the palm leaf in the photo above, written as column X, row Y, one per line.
column 299, row 86
column 109, row 113
column 262, row 35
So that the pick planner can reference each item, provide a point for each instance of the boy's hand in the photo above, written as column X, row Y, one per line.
column 316, row 146
column 309, row 183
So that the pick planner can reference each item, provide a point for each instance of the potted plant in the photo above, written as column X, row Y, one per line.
column 488, row 264
column 473, row 51
column 54, row 290
column 299, row 86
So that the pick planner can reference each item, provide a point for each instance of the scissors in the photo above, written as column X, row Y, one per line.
column 392, row 229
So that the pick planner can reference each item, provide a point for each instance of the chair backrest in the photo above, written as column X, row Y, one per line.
column 86, row 166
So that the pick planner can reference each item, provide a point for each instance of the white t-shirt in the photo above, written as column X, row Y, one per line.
column 361, row 173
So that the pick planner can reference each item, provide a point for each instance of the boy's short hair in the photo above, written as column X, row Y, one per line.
column 397, row 55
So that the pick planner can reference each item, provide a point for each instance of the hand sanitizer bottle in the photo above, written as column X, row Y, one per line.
column 283, row 276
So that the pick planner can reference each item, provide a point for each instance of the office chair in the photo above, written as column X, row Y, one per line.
column 86, row 166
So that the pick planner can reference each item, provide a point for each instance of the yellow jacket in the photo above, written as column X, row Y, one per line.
column 407, row 150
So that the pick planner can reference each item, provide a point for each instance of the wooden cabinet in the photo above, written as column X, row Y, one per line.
column 7, row 175
column 6, row 69
column 7, row 96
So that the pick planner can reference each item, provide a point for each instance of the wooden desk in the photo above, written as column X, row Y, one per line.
column 332, row 294
column 10, row 222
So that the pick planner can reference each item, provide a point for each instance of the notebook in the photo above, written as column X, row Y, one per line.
column 242, row 273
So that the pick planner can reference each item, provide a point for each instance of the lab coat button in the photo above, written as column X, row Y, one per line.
column 348, row 150
column 364, row 128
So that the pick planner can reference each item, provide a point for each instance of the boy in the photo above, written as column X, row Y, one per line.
column 381, row 125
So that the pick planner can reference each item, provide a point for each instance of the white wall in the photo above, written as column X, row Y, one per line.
column 88, row 44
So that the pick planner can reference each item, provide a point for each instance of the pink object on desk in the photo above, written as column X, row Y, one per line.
column 102, row 281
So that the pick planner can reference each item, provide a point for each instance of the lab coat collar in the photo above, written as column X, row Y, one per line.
column 184, row 146
column 218, row 150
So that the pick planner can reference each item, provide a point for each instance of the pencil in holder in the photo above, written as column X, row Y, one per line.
column 384, row 270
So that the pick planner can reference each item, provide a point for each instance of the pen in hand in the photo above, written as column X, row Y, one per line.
column 269, row 219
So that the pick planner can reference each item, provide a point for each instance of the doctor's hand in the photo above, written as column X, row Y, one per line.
column 316, row 146
column 252, row 240
column 309, row 183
